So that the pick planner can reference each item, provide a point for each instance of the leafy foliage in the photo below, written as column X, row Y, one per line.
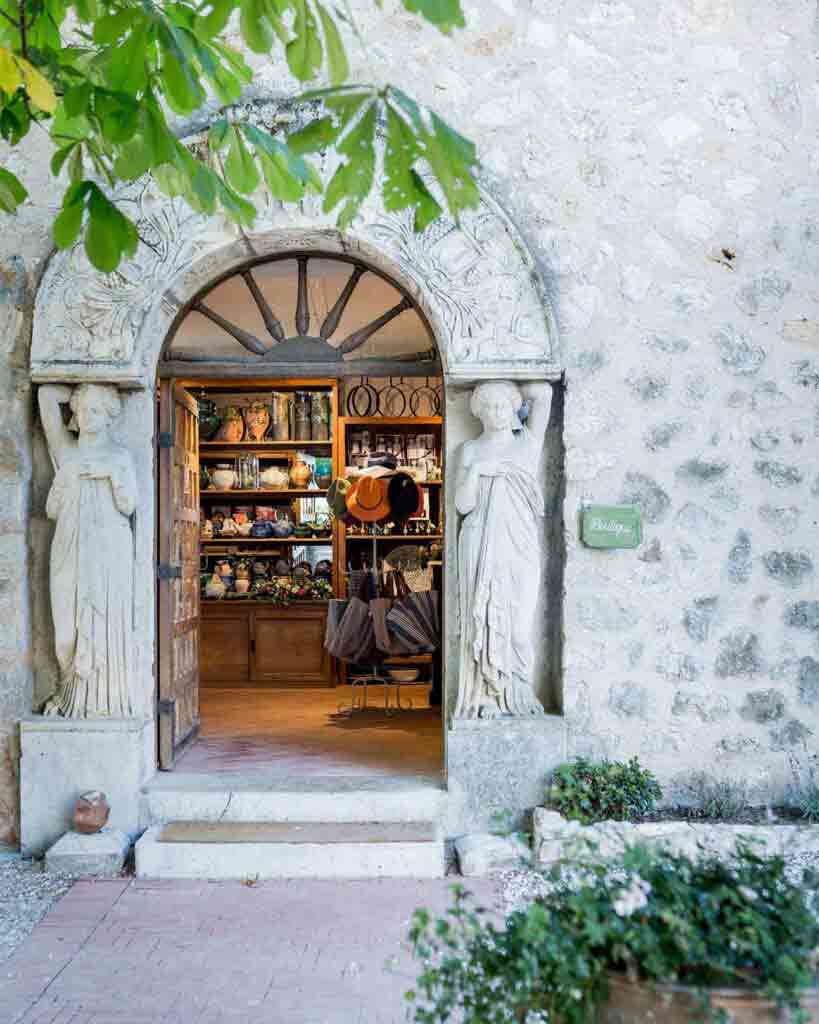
column 611, row 790
column 655, row 916
column 101, row 77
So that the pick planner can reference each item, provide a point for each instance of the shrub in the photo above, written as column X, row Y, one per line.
column 804, row 791
column 652, row 915
column 711, row 799
column 611, row 790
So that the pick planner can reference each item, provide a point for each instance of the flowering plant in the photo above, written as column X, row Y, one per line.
column 651, row 915
column 281, row 590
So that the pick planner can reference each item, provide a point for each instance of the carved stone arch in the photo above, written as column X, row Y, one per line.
column 476, row 283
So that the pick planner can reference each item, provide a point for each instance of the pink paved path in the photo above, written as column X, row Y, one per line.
column 308, row 952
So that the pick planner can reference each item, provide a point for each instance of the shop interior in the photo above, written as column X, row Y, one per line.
column 284, row 544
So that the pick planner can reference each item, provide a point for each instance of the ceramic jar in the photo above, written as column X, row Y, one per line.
column 257, row 420
column 282, row 527
column 280, row 403
column 275, row 478
column 300, row 474
column 91, row 812
column 229, row 528
column 323, row 473
column 301, row 416
column 320, row 416
column 215, row 588
column 262, row 529
column 209, row 419
column 223, row 477
column 233, row 426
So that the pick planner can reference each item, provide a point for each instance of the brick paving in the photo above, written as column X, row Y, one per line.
column 123, row 951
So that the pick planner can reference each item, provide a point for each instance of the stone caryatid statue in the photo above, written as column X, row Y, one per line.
column 91, row 502
column 500, row 544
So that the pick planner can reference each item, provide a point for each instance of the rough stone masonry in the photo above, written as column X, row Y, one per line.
column 661, row 162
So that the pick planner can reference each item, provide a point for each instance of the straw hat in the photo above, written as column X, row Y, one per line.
column 367, row 501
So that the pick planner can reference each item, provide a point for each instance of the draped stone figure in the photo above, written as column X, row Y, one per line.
column 91, row 502
column 500, row 547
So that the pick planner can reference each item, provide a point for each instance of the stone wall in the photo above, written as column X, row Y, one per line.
column 660, row 160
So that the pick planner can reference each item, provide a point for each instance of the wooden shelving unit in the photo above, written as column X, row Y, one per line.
column 240, row 541
column 246, row 492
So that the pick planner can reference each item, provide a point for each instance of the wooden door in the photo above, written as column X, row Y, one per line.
column 178, row 570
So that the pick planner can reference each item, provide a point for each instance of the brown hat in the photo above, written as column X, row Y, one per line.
column 367, row 500
column 404, row 496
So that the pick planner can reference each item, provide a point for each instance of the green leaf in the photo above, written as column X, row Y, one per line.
column 213, row 23
column 119, row 116
column 314, row 137
column 453, row 161
column 133, row 160
column 87, row 10
column 59, row 158
column 428, row 208
column 444, row 14
column 77, row 98
column 337, row 62
column 256, row 28
column 159, row 141
column 304, row 51
column 353, row 180
column 181, row 85
column 238, row 209
column 12, row 192
column 125, row 69
column 240, row 167
column 110, row 27
column 68, row 224
column 109, row 236
column 279, row 180
column 218, row 134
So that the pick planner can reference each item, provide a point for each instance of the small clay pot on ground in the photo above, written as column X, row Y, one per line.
column 91, row 812
column 638, row 1003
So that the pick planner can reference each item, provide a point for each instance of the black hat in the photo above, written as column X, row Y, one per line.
column 404, row 496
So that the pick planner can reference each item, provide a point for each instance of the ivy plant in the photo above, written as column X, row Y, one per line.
column 588, row 792
column 102, row 77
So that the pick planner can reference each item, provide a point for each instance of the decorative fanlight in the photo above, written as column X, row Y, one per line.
column 304, row 345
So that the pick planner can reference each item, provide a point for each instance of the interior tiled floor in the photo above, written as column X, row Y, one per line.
column 302, row 733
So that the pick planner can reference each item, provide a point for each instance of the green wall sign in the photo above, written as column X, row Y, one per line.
column 611, row 526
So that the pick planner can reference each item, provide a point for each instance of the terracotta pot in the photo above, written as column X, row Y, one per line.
column 91, row 812
column 637, row 1003
column 257, row 420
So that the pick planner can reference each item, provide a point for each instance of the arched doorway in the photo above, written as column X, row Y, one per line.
column 307, row 367
column 478, row 287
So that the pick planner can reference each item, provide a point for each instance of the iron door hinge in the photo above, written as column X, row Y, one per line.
column 166, row 571
column 164, row 439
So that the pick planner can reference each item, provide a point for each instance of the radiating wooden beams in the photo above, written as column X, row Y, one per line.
column 334, row 316
column 302, row 308
column 245, row 338
column 357, row 338
column 271, row 322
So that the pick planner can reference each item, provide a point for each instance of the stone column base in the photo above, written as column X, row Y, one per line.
column 64, row 757
column 497, row 769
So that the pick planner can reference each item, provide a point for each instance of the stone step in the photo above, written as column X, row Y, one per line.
column 174, row 796
column 263, row 849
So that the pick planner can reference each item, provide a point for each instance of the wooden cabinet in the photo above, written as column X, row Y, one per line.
column 251, row 644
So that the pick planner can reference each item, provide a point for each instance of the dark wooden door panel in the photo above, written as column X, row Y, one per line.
column 178, row 550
